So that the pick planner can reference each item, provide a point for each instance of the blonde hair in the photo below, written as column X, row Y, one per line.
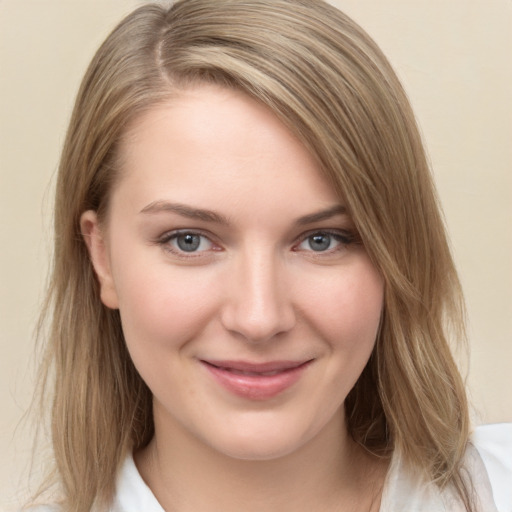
column 330, row 84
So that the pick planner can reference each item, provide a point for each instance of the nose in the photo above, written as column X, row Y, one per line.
column 258, row 304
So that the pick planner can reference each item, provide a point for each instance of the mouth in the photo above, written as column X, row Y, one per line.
column 256, row 381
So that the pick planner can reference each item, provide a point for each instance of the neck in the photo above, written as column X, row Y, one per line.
column 328, row 473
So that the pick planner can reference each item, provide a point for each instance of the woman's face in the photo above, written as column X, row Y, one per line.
column 248, row 304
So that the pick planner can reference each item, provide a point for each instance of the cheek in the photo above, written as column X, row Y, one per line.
column 346, row 307
column 161, row 313
column 161, row 307
column 350, row 322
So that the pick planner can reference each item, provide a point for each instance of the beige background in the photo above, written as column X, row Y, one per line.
column 455, row 59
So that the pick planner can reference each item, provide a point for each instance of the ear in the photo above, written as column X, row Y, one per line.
column 98, row 252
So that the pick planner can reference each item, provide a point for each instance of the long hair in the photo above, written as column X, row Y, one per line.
column 329, row 83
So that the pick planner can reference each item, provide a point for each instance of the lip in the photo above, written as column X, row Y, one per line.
column 256, row 381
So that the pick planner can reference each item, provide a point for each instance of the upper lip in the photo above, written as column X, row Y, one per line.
column 247, row 366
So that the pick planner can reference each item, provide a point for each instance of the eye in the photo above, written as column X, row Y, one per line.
column 189, row 242
column 319, row 242
column 324, row 241
column 186, row 242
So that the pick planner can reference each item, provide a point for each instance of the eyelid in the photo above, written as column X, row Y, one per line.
column 165, row 239
column 345, row 237
column 172, row 233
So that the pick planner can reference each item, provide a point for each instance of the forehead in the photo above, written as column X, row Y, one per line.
column 209, row 142
column 207, row 117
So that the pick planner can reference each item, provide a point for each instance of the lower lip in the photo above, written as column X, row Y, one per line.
column 256, row 387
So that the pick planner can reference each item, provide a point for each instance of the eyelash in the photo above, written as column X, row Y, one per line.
column 344, row 237
column 166, row 239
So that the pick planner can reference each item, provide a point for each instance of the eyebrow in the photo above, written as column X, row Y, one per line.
column 185, row 211
column 211, row 216
column 335, row 210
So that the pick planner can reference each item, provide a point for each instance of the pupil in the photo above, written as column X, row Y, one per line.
column 319, row 242
column 189, row 242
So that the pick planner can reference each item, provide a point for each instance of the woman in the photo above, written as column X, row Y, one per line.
column 252, row 289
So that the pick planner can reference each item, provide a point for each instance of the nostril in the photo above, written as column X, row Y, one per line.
column 258, row 305
column 258, row 324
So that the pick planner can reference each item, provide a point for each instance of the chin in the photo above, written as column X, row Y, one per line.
column 259, row 449
column 260, row 443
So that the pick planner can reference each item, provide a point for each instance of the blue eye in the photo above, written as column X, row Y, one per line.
column 322, row 241
column 187, row 241
column 319, row 242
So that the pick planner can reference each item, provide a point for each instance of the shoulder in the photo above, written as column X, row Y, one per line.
column 488, row 462
column 132, row 493
column 42, row 508
column 493, row 444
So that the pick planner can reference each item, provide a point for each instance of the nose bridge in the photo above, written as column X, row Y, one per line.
column 259, row 305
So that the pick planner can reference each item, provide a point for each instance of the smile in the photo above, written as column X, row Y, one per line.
column 256, row 381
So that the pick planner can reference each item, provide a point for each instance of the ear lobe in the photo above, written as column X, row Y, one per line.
column 98, row 253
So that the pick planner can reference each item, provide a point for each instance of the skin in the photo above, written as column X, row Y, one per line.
column 256, row 289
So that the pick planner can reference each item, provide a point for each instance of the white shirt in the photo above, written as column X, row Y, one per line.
column 488, row 461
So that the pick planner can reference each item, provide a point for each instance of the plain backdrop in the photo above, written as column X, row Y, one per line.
column 455, row 60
